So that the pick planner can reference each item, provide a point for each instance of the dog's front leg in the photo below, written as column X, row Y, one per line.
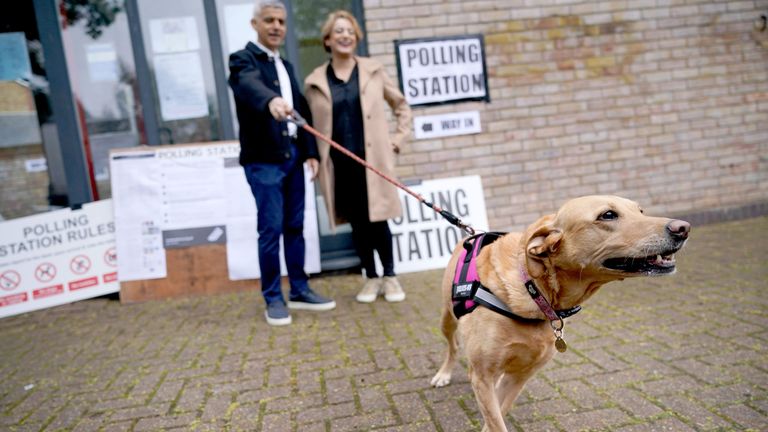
column 508, row 389
column 483, row 384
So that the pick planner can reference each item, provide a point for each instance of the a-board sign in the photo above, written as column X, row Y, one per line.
column 423, row 239
column 57, row 257
column 181, row 196
column 442, row 70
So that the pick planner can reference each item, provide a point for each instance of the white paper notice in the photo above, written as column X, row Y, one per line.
column 180, row 86
column 102, row 62
column 170, row 35
column 191, row 193
column 243, row 239
column 137, row 205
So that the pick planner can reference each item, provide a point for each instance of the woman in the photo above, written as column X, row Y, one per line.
column 347, row 96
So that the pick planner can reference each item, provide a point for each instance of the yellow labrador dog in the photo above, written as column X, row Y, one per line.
column 511, row 296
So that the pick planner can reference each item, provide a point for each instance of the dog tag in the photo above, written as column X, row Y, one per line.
column 560, row 345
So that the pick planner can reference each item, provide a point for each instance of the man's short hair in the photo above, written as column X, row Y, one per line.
column 261, row 4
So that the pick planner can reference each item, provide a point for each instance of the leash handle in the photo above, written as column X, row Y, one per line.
column 296, row 119
column 299, row 121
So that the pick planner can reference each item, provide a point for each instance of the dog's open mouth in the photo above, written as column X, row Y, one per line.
column 662, row 263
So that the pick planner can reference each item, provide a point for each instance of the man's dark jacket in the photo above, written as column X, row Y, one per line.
column 253, row 78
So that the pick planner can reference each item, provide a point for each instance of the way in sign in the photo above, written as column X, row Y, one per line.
column 457, row 123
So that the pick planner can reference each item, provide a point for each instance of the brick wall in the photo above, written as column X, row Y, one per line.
column 666, row 105
column 21, row 193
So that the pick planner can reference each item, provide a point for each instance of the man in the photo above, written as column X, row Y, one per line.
column 272, row 152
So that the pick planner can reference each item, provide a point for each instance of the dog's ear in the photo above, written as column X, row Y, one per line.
column 541, row 240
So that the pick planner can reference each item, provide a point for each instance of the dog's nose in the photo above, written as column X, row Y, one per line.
column 679, row 229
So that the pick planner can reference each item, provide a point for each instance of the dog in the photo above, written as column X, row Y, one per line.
column 564, row 257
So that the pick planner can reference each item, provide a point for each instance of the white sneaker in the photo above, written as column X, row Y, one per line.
column 393, row 292
column 370, row 291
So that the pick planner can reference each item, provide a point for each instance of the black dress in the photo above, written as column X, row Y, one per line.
column 350, row 185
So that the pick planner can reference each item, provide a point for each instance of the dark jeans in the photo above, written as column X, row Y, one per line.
column 279, row 193
column 369, row 236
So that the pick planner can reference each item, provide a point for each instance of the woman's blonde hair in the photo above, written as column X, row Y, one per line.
column 327, row 28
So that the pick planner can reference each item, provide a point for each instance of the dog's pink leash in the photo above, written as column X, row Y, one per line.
column 555, row 320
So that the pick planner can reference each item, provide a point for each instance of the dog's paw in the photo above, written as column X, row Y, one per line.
column 441, row 379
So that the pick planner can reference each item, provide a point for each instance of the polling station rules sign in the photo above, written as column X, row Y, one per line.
column 57, row 257
column 442, row 70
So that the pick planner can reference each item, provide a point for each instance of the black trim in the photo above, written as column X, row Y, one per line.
column 143, row 74
column 65, row 116
column 359, row 12
column 220, row 72
column 291, row 45
column 478, row 36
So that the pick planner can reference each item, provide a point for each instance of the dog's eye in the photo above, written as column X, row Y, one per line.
column 608, row 215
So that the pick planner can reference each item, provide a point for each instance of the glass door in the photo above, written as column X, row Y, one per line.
column 176, row 45
column 337, row 250
column 103, row 79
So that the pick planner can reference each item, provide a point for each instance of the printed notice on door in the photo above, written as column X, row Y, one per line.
column 180, row 86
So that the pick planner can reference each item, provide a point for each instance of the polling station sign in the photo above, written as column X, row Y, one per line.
column 442, row 69
column 422, row 239
column 57, row 257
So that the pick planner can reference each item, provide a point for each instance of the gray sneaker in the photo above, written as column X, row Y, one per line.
column 393, row 292
column 277, row 314
column 311, row 300
column 370, row 291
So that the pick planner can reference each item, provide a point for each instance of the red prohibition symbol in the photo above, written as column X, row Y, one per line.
column 45, row 272
column 80, row 264
column 110, row 257
column 9, row 280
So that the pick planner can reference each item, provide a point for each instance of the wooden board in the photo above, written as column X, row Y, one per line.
column 199, row 270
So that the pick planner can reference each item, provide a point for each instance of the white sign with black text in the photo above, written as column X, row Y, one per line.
column 422, row 238
column 57, row 257
column 441, row 70
column 450, row 124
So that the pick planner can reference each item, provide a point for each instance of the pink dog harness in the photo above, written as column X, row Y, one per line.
column 468, row 292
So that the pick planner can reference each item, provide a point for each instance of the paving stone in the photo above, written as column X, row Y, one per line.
column 373, row 399
column 326, row 412
column 633, row 402
column 164, row 422
column 411, row 408
column 582, row 395
column 667, row 424
column 599, row 418
column 693, row 412
column 744, row 416
column 363, row 422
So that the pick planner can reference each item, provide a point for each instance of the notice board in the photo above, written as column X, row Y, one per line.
column 185, row 221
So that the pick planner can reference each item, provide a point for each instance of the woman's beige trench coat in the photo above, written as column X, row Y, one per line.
column 377, row 91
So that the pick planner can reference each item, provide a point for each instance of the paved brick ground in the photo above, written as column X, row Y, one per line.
column 682, row 353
